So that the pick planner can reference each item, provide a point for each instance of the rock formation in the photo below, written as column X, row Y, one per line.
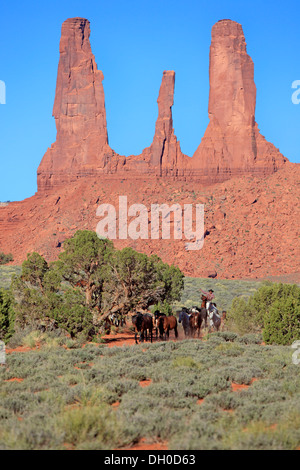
column 232, row 144
column 79, row 111
column 250, row 220
column 164, row 154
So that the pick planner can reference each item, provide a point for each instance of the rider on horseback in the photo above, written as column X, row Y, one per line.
column 209, row 297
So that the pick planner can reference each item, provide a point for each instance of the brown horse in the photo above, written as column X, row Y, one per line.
column 142, row 323
column 165, row 324
column 198, row 316
column 195, row 322
column 204, row 300
column 156, row 317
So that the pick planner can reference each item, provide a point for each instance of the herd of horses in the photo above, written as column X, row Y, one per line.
column 191, row 319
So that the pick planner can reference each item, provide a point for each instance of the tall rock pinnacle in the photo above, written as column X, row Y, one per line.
column 232, row 144
column 164, row 154
column 79, row 110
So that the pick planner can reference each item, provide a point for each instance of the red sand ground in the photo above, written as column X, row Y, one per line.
column 237, row 387
column 14, row 379
column 143, row 444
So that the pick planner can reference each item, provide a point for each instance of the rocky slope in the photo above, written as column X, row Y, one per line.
column 252, row 224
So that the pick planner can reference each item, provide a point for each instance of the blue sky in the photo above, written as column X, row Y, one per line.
column 134, row 41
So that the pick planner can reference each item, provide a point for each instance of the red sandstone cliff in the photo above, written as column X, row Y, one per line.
column 232, row 144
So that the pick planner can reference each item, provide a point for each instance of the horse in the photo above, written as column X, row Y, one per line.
column 184, row 318
column 165, row 324
column 142, row 323
column 117, row 320
column 214, row 317
column 204, row 300
column 198, row 316
column 157, row 315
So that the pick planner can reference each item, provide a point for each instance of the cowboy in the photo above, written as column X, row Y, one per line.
column 209, row 297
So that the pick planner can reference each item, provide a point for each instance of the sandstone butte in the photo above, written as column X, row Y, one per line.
column 250, row 190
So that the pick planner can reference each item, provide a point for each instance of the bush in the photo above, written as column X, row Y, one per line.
column 163, row 307
column 282, row 323
column 7, row 315
column 4, row 259
column 242, row 317
column 74, row 316
column 274, row 309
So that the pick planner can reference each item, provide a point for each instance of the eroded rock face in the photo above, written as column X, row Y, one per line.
column 79, row 111
column 231, row 146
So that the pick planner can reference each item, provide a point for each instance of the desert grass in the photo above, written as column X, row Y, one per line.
column 65, row 398
column 6, row 274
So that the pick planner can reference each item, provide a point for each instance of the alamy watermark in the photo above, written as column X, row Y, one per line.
column 2, row 92
column 296, row 94
column 2, row 353
column 139, row 222
column 296, row 354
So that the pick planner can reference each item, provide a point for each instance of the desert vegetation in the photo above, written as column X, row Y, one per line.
column 274, row 309
column 62, row 387
column 5, row 258
column 91, row 398
column 89, row 281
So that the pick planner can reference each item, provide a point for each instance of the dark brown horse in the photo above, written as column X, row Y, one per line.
column 142, row 323
column 165, row 324
column 157, row 314
column 198, row 316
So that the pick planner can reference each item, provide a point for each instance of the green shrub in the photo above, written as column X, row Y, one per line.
column 7, row 315
column 163, row 307
column 4, row 259
column 90, row 423
column 274, row 309
column 74, row 316
column 282, row 323
column 242, row 317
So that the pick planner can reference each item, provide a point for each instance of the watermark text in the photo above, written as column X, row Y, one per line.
column 139, row 222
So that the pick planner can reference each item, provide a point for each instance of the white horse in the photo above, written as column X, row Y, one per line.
column 214, row 317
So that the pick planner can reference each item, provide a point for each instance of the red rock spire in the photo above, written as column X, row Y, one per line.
column 164, row 153
column 79, row 111
column 232, row 144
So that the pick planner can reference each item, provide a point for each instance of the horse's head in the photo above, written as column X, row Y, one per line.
column 157, row 316
column 114, row 319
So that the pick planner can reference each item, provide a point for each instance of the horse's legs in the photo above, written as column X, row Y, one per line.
column 199, row 329
column 135, row 337
column 176, row 332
